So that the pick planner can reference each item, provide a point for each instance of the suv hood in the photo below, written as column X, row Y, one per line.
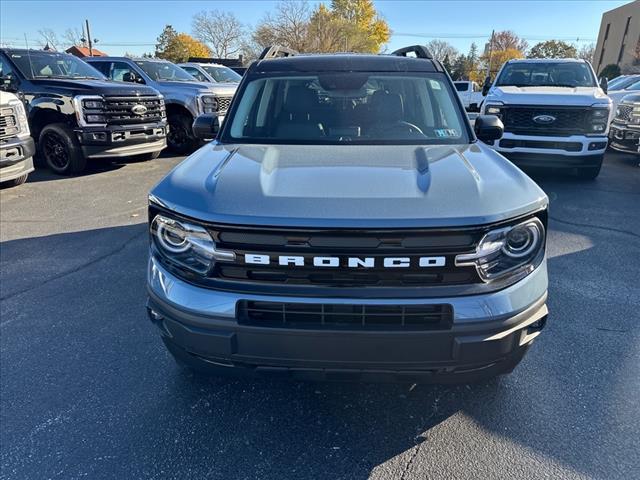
column 96, row 87
column 348, row 186
column 200, row 87
column 576, row 96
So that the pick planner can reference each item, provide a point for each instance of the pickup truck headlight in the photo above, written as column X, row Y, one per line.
column 186, row 244
column 598, row 120
column 494, row 109
column 89, row 110
column 208, row 103
column 508, row 251
column 21, row 117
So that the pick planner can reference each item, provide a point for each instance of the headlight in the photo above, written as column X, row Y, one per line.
column 208, row 104
column 21, row 116
column 186, row 244
column 509, row 251
column 89, row 110
column 496, row 110
column 598, row 119
column 635, row 115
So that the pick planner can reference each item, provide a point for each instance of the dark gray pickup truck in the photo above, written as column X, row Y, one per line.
column 347, row 223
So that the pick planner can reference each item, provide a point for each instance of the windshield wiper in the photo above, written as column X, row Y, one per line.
column 66, row 77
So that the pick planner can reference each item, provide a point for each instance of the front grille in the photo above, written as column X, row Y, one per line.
column 8, row 125
column 623, row 113
column 568, row 120
column 566, row 146
column 345, row 316
column 370, row 245
column 223, row 104
column 118, row 110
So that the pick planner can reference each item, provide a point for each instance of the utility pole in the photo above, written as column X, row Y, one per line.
column 490, row 53
column 89, row 39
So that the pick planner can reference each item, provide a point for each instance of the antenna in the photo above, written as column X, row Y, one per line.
column 29, row 56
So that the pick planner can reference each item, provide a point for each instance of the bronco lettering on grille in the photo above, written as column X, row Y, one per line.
column 351, row 262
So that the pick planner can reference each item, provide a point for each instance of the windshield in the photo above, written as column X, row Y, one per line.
column 461, row 86
column 348, row 108
column 552, row 74
column 37, row 64
column 222, row 74
column 625, row 83
column 165, row 71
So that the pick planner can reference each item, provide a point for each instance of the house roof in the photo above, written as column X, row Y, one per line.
column 84, row 51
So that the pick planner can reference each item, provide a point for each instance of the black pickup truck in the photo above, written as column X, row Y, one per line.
column 76, row 114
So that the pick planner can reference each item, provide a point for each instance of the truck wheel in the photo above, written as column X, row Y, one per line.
column 590, row 173
column 61, row 150
column 149, row 156
column 180, row 138
column 16, row 181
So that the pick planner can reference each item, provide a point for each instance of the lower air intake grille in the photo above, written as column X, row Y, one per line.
column 345, row 316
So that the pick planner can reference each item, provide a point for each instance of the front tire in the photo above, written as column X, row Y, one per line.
column 60, row 149
column 180, row 138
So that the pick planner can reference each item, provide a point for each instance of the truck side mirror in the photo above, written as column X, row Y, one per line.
column 604, row 84
column 206, row 126
column 488, row 128
column 131, row 77
column 486, row 86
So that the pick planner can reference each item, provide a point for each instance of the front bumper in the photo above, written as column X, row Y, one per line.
column 489, row 336
column 16, row 158
column 624, row 139
column 122, row 141
column 574, row 151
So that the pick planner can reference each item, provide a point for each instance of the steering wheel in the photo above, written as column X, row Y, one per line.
column 399, row 127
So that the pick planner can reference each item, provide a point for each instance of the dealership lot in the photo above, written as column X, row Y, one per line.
column 88, row 390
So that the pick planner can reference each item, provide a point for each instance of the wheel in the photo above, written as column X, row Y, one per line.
column 16, row 181
column 180, row 138
column 61, row 150
column 590, row 173
column 148, row 156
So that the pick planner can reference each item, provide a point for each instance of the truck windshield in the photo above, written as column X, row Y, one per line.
column 552, row 74
column 222, row 74
column 160, row 71
column 348, row 108
column 37, row 65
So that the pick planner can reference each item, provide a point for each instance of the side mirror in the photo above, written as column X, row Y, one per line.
column 488, row 128
column 206, row 126
column 604, row 84
column 486, row 86
column 132, row 78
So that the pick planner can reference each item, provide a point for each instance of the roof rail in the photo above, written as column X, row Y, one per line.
column 276, row 51
column 419, row 50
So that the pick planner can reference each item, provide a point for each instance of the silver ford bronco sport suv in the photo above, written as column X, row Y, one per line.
column 346, row 223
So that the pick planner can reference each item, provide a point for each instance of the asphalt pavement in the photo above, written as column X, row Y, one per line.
column 87, row 390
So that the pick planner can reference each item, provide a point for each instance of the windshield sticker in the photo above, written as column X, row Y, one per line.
column 446, row 132
column 435, row 84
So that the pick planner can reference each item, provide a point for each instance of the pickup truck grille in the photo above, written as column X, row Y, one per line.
column 623, row 113
column 410, row 245
column 8, row 123
column 118, row 110
column 568, row 120
column 345, row 316
column 223, row 104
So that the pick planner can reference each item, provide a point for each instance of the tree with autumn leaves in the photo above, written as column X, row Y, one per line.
column 178, row 47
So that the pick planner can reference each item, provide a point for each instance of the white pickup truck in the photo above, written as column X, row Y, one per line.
column 555, row 114
column 470, row 94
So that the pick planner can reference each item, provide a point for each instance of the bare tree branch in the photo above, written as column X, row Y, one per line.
column 221, row 31
column 73, row 36
column 48, row 37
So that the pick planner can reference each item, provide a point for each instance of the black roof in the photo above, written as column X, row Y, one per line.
column 345, row 62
